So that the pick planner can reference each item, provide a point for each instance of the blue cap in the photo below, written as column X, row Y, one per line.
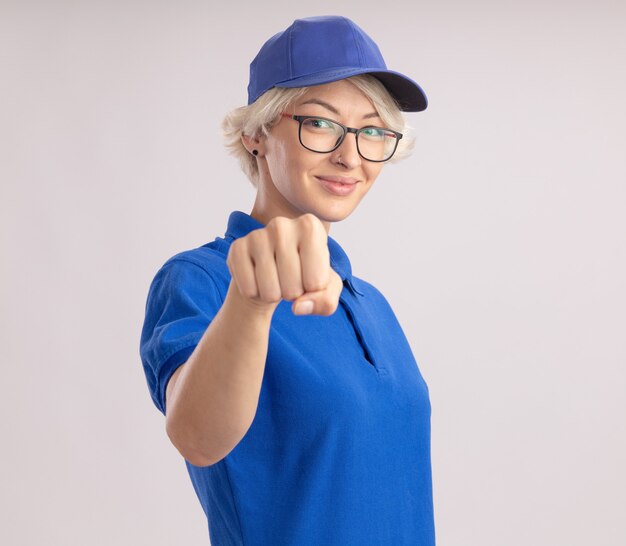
column 324, row 49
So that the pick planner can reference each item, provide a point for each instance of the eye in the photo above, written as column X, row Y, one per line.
column 319, row 124
column 374, row 133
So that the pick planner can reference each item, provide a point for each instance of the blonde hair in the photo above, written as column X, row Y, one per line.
column 259, row 117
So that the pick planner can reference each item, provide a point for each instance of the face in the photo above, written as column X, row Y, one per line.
column 292, row 178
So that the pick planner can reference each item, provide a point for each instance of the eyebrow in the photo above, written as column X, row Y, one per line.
column 334, row 110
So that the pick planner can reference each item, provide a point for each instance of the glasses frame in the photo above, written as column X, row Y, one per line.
column 346, row 130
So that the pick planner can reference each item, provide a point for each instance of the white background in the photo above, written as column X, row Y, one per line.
column 500, row 244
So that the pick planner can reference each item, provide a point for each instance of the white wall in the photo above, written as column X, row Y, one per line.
column 504, row 253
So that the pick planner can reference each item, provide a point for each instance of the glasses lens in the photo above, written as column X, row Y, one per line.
column 376, row 143
column 319, row 134
column 323, row 135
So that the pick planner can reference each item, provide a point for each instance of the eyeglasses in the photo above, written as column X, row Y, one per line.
column 323, row 135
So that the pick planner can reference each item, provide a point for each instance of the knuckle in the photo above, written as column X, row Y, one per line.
column 291, row 294
column 230, row 258
column 252, row 238
column 315, row 285
column 309, row 217
column 236, row 249
column 318, row 280
column 277, row 224
column 280, row 237
column 259, row 244
column 309, row 222
column 271, row 296
column 250, row 293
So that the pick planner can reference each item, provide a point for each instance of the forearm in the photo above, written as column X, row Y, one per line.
column 215, row 397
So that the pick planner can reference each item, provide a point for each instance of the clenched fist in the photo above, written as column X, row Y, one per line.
column 287, row 259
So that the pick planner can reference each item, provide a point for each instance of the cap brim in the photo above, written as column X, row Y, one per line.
column 407, row 93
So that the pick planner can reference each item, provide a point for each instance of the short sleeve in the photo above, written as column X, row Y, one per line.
column 182, row 301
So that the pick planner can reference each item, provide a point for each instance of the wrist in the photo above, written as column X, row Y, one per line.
column 235, row 299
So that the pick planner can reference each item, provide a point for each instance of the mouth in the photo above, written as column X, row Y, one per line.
column 338, row 179
column 338, row 185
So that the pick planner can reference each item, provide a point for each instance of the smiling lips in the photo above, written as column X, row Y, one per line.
column 340, row 179
column 338, row 185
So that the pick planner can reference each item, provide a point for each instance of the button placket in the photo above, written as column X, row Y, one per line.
column 369, row 355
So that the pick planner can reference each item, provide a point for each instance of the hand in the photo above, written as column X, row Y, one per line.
column 287, row 259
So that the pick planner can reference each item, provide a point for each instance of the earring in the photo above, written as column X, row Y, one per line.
column 255, row 152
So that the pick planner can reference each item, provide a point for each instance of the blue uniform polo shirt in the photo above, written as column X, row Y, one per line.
column 338, row 452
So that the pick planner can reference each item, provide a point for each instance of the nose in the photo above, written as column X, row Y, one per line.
column 347, row 153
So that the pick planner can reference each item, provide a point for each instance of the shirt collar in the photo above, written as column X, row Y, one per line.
column 241, row 223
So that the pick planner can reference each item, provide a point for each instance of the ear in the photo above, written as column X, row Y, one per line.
column 254, row 142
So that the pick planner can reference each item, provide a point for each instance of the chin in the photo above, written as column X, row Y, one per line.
column 333, row 214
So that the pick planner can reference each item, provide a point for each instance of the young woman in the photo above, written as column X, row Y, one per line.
column 287, row 382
